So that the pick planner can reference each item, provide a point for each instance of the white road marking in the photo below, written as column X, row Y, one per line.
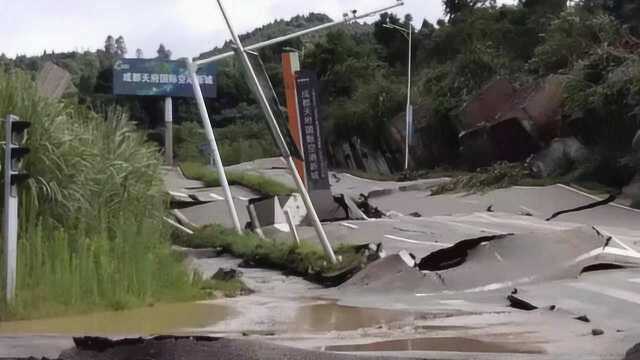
column 495, row 286
column 351, row 226
column 615, row 293
column 525, row 222
column 473, row 227
column 498, row 256
column 453, row 302
column 392, row 237
column 596, row 198
column 636, row 280
column 175, row 193
column 243, row 198
column 216, row 196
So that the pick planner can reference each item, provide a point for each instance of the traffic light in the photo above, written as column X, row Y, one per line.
column 14, row 150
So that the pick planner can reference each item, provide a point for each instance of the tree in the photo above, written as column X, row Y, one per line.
column 163, row 52
column 121, row 47
column 455, row 7
column 110, row 45
column 139, row 53
column 392, row 40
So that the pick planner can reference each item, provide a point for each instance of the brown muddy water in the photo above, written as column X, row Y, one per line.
column 334, row 317
column 158, row 319
column 456, row 344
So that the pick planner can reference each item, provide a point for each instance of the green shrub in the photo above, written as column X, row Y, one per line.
column 305, row 260
column 499, row 175
column 259, row 183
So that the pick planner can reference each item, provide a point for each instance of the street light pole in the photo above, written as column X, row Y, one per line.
column 409, row 112
column 409, row 109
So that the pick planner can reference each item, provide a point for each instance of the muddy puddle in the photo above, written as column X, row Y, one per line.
column 333, row 317
column 158, row 319
column 456, row 344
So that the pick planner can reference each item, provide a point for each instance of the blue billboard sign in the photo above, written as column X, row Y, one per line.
column 156, row 77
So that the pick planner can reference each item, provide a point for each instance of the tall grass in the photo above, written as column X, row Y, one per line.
column 91, row 232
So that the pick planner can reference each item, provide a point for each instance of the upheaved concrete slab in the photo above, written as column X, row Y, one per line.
column 540, row 202
column 500, row 263
column 174, row 181
column 215, row 213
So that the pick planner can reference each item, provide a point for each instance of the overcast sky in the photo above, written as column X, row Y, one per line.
column 186, row 27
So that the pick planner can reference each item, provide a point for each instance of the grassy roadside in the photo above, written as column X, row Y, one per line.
column 261, row 184
column 306, row 260
column 91, row 232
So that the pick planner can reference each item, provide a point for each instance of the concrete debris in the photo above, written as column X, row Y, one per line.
column 371, row 252
column 583, row 318
column 597, row 332
column 508, row 124
column 519, row 303
column 415, row 214
column 633, row 353
column 632, row 191
column 559, row 158
column 227, row 274
column 269, row 211
column 408, row 258
column 368, row 209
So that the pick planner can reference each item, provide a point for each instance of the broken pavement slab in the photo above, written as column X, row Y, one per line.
column 498, row 262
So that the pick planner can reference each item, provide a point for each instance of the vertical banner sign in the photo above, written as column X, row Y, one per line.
column 291, row 64
column 315, row 162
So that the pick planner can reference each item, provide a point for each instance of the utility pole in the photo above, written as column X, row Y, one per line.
column 284, row 150
column 13, row 175
column 240, row 51
column 206, row 123
column 409, row 115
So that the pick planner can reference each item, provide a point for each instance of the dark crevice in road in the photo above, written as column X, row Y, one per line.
column 600, row 267
column 455, row 255
column 609, row 199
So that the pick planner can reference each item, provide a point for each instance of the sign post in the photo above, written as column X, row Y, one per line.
column 317, row 174
column 206, row 123
column 168, row 131
column 280, row 139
